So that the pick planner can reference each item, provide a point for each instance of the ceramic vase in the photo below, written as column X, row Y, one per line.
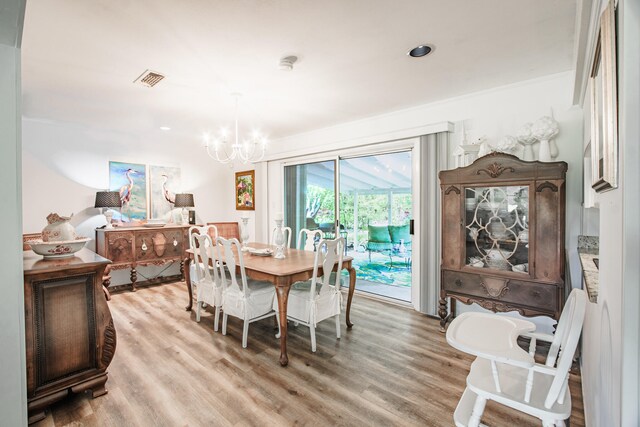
column 58, row 229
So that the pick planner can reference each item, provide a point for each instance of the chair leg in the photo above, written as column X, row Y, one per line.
column 548, row 423
column 198, row 307
column 478, row 409
column 278, row 320
column 224, row 323
column 216, row 320
column 560, row 423
column 338, row 326
column 245, row 333
column 312, row 332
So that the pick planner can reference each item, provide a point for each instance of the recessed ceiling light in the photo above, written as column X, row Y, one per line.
column 422, row 50
column 165, row 128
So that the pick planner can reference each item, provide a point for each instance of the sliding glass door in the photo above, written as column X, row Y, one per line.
column 375, row 209
column 310, row 197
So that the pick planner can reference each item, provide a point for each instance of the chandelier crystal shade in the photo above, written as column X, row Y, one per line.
column 249, row 150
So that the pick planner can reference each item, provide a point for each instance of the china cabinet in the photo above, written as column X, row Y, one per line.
column 503, row 228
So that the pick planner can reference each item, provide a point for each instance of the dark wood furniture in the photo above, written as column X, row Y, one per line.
column 503, row 231
column 70, row 336
column 131, row 247
column 228, row 230
column 296, row 267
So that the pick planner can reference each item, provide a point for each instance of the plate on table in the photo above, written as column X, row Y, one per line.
column 154, row 224
column 261, row 252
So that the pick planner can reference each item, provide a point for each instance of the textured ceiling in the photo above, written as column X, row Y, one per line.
column 81, row 57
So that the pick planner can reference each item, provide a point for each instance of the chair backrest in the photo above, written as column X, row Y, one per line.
column 567, row 335
column 228, row 230
column 287, row 234
column 309, row 239
column 210, row 230
column 328, row 253
column 228, row 263
column 205, row 256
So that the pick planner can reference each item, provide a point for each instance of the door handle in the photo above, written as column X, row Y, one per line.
column 411, row 227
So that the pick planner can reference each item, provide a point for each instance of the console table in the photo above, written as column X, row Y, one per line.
column 70, row 336
column 131, row 247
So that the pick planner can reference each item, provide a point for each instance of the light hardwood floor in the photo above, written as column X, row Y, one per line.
column 393, row 368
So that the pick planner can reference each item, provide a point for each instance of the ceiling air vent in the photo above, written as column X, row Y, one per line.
column 149, row 78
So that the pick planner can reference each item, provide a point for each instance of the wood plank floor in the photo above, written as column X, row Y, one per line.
column 393, row 368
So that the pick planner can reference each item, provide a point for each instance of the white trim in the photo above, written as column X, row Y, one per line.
column 369, row 140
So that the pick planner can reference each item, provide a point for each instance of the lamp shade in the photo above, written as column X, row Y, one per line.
column 108, row 199
column 184, row 200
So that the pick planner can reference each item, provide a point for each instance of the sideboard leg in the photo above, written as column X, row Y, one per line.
column 134, row 278
column 443, row 313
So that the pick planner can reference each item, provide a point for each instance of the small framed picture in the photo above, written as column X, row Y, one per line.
column 245, row 191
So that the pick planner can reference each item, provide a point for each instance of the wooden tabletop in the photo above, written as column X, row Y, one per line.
column 296, row 261
column 34, row 263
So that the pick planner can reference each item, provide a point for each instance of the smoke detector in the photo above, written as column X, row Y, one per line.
column 149, row 78
column 286, row 63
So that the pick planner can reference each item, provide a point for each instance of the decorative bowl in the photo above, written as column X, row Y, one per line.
column 521, row 268
column 498, row 259
column 61, row 249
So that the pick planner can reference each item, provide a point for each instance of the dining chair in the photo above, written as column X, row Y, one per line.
column 207, row 279
column 307, row 239
column 228, row 230
column 193, row 231
column 286, row 231
column 244, row 298
column 313, row 301
column 540, row 390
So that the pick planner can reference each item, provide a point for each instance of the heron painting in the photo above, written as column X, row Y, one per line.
column 130, row 179
column 164, row 183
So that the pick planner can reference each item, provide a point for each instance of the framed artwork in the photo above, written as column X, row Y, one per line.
column 164, row 183
column 604, row 105
column 130, row 179
column 245, row 194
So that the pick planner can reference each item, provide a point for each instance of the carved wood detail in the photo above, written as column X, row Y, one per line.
column 109, row 346
column 452, row 188
column 494, row 170
column 551, row 186
column 495, row 289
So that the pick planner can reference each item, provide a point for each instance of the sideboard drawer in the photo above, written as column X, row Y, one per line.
column 536, row 295
column 163, row 244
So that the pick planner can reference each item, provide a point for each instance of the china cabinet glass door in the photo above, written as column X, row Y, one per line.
column 497, row 228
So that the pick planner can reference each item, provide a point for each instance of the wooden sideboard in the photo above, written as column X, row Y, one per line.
column 131, row 247
column 70, row 336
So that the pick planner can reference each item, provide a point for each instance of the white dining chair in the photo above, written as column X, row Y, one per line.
column 287, row 233
column 313, row 301
column 206, row 278
column 193, row 231
column 247, row 299
column 540, row 390
column 307, row 239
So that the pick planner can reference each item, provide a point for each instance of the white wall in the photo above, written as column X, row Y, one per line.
column 610, row 340
column 65, row 164
column 13, row 388
column 492, row 114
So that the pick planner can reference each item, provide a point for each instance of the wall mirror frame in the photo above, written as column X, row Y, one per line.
column 604, row 105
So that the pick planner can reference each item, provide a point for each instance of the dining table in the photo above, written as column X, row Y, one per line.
column 297, row 266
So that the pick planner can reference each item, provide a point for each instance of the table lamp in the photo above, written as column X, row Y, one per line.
column 184, row 201
column 106, row 200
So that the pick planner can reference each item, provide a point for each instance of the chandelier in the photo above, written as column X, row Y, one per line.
column 250, row 150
